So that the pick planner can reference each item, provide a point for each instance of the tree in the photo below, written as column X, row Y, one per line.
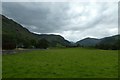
column 8, row 42
column 43, row 44
column 78, row 45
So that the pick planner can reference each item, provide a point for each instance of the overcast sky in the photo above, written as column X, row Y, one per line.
column 73, row 20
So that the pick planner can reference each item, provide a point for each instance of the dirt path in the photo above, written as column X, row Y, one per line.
column 17, row 51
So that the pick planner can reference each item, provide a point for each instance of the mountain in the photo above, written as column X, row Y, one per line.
column 14, row 33
column 54, row 40
column 111, row 42
column 88, row 42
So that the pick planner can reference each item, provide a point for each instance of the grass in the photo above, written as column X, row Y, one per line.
column 61, row 63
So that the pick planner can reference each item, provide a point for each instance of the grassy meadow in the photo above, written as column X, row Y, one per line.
column 61, row 63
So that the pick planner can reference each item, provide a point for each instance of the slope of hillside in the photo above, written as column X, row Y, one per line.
column 111, row 42
column 12, row 32
column 14, row 29
column 88, row 42
column 55, row 39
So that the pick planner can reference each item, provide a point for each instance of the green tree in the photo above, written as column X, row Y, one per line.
column 43, row 44
column 8, row 42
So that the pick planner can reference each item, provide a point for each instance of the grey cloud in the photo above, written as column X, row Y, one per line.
column 41, row 15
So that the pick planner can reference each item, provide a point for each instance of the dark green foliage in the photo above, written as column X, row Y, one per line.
column 9, row 45
column 8, row 42
column 109, row 43
column 14, row 33
column 43, row 44
column 54, row 39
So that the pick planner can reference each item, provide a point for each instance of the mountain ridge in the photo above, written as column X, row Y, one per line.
column 111, row 42
column 13, row 32
column 88, row 41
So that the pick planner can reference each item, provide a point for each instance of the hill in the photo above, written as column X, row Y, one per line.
column 14, row 34
column 88, row 42
column 111, row 42
column 54, row 40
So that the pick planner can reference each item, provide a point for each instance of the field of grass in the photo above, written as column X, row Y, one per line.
column 61, row 63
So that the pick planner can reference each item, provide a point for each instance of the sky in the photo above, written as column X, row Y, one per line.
column 72, row 20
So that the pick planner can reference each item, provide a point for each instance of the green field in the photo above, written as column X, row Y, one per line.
column 61, row 63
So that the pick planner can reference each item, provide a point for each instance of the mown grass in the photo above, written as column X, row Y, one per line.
column 61, row 63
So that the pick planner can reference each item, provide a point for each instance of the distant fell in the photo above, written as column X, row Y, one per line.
column 111, row 42
column 88, row 42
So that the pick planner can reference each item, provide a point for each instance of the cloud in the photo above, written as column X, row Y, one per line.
column 74, row 21
column 58, row 0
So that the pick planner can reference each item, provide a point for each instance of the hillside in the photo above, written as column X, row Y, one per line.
column 88, row 42
column 112, row 42
column 14, row 33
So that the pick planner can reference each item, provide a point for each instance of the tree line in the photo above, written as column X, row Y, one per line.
column 112, row 46
column 9, row 43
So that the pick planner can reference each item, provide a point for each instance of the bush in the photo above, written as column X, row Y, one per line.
column 43, row 44
column 8, row 46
